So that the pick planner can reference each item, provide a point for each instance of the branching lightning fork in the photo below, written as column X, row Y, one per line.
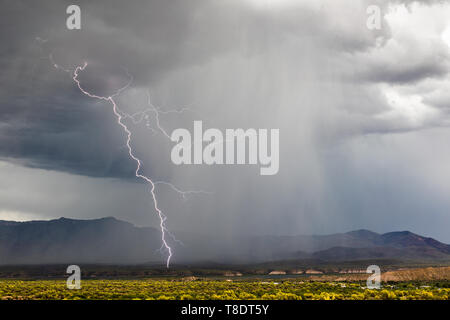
column 120, row 116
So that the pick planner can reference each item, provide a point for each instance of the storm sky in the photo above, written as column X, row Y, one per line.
column 363, row 114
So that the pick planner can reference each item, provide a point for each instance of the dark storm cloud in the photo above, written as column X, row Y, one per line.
column 47, row 126
column 60, row 132
column 433, row 63
column 401, row 75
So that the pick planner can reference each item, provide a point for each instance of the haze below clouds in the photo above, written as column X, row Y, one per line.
column 363, row 114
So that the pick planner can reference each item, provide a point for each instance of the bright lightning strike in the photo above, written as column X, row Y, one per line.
column 110, row 99
column 121, row 115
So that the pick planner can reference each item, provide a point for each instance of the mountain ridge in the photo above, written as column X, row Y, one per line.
column 110, row 240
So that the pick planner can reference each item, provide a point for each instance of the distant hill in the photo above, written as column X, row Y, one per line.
column 362, row 244
column 112, row 241
column 105, row 240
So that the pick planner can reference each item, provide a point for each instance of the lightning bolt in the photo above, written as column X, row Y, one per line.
column 138, row 174
column 141, row 115
column 183, row 193
column 120, row 116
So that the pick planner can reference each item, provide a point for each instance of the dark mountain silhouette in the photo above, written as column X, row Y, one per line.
column 353, row 245
column 105, row 240
column 109, row 240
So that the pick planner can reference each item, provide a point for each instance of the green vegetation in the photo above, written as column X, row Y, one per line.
column 214, row 289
